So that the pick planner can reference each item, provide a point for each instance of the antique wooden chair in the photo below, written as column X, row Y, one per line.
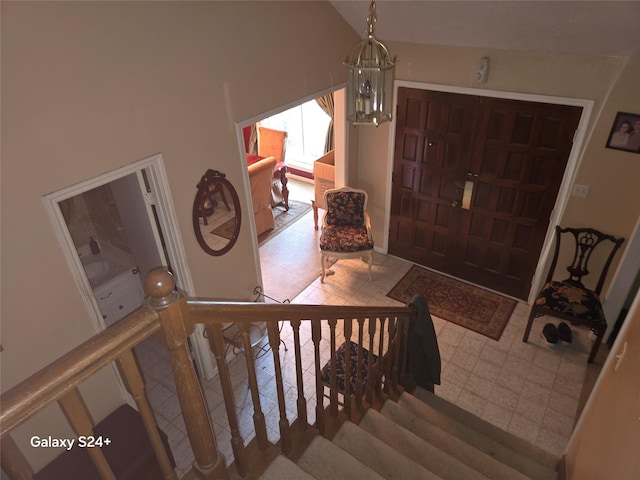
column 208, row 187
column 570, row 299
column 273, row 143
column 346, row 228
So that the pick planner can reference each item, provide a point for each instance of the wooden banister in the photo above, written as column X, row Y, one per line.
column 172, row 317
column 64, row 374
column 207, row 312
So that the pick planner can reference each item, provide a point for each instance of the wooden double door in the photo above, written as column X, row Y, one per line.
column 475, row 180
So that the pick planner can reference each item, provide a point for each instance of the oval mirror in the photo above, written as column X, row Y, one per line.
column 216, row 213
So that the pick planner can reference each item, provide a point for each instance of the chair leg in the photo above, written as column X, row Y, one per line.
column 527, row 330
column 596, row 345
column 315, row 214
column 322, row 263
column 370, row 261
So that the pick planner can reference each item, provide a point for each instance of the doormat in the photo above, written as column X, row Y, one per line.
column 284, row 218
column 466, row 305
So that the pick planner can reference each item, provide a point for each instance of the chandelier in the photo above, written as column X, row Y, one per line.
column 370, row 79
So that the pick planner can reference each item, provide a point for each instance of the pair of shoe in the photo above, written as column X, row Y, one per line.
column 551, row 334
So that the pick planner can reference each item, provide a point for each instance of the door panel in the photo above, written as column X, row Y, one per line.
column 511, row 157
column 432, row 151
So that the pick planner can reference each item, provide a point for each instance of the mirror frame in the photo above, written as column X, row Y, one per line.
column 209, row 179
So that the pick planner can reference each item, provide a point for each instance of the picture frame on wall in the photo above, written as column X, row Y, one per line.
column 625, row 133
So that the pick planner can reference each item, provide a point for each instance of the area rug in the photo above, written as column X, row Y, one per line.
column 226, row 229
column 466, row 305
column 284, row 218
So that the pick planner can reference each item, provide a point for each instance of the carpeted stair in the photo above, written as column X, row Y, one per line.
column 419, row 437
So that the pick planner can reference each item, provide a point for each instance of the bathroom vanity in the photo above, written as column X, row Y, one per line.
column 115, row 280
column 120, row 296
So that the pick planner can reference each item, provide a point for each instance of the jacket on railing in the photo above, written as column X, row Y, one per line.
column 423, row 353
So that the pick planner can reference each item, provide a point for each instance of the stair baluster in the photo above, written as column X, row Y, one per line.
column 134, row 383
column 359, row 373
column 80, row 420
column 392, row 367
column 380, row 367
column 370, row 368
column 216, row 344
column 348, row 394
column 14, row 464
column 258, row 416
column 285, row 428
column 303, row 422
column 316, row 336
column 333, row 394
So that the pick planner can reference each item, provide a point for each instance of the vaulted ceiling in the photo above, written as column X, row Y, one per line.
column 602, row 28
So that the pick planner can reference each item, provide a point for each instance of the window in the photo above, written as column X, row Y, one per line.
column 306, row 126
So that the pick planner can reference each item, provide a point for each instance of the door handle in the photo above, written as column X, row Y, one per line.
column 620, row 356
column 467, row 194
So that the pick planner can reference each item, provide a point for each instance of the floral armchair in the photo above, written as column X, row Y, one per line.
column 346, row 228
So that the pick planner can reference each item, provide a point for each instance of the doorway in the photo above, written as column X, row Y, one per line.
column 113, row 229
column 116, row 242
column 475, row 181
column 274, row 286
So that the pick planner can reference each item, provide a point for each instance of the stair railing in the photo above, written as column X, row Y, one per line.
column 59, row 381
column 172, row 318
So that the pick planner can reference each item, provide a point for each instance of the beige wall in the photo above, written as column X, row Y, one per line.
column 613, row 203
column 88, row 87
column 605, row 444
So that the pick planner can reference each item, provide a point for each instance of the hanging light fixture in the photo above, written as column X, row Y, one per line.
column 370, row 79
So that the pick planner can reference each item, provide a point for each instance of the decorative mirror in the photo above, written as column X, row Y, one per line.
column 216, row 213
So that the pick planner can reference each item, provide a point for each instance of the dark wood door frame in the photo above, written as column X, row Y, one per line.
column 571, row 168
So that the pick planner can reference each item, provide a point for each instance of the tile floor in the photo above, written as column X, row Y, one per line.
column 531, row 390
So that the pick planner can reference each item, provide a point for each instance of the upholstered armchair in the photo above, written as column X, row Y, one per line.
column 260, row 180
column 346, row 228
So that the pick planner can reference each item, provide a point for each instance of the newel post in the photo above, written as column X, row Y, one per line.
column 176, row 328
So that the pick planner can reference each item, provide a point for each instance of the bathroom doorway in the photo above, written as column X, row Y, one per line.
column 117, row 240
column 113, row 230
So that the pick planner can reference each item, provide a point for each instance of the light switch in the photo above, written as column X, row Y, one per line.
column 580, row 190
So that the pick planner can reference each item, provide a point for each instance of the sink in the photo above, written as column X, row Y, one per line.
column 95, row 269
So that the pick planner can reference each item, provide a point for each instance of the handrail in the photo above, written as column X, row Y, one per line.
column 64, row 374
column 201, row 311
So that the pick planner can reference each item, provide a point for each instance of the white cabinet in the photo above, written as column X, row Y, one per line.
column 119, row 296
